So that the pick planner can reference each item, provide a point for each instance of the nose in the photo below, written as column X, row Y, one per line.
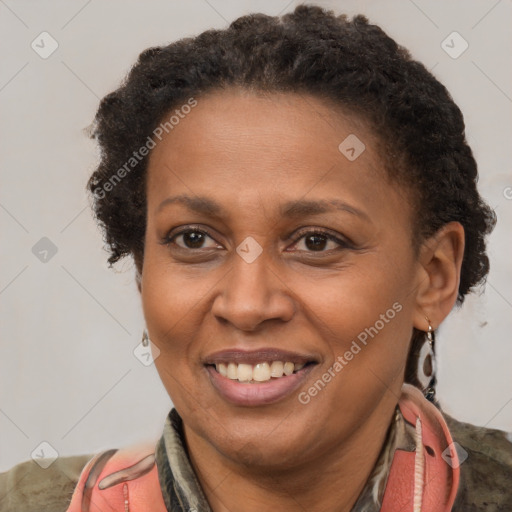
column 253, row 293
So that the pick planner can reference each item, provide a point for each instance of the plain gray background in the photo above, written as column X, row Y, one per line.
column 69, row 324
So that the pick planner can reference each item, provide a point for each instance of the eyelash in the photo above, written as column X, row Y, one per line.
column 344, row 244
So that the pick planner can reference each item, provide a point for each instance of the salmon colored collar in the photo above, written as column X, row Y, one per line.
column 425, row 480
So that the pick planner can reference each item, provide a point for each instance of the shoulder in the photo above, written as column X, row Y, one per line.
column 28, row 487
column 115, row 478
column 486, row 467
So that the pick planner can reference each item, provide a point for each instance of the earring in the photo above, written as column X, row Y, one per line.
column 145, row 338
column 427, row 365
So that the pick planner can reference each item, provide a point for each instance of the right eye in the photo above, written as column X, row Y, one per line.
column 189, row 239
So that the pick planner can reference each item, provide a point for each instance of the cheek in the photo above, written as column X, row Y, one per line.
column 365, row 314
column 169, row 315
column 172, row 307
column 175, row 300
column 169, row 302
column 364, row 296
column 170, row 295
column 367, row 350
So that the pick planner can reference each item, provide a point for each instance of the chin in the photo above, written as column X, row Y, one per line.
column 259, row 453
column 275, row 444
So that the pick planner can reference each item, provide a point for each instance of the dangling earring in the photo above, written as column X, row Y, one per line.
column 427, row 365
column 145, row 338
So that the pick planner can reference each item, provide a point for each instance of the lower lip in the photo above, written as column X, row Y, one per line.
column 261, row 393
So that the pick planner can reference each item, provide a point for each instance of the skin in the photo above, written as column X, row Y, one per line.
column 252, row 153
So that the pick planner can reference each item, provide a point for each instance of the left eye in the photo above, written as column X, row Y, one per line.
column 318, row 241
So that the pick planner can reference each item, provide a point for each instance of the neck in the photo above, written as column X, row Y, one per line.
column 330, row 481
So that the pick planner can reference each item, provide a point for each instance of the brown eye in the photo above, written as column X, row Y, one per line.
column 319, row 241
column 315, row 242
column 191, row 239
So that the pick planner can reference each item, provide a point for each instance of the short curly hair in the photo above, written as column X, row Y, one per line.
column 350, row 63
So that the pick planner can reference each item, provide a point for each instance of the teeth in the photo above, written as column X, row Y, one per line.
column 232, row 372
column 222, row 369
column 244, row 373
column 261, row 372
column 276, row 369
column 288, row 368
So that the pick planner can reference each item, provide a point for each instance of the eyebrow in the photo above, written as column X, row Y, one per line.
column 291, row 209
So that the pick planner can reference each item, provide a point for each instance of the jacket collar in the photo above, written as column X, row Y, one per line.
column 391, row 481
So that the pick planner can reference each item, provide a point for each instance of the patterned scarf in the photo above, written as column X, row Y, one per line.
column 182, row 491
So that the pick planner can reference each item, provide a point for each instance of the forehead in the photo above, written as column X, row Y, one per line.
column 246, row 148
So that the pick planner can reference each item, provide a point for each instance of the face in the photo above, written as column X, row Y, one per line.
column 278, row 276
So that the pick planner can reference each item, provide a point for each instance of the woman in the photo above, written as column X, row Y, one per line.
column 301, row 206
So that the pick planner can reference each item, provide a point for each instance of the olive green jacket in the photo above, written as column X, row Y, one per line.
column 485, row 475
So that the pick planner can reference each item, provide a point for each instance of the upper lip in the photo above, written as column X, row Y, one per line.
column 257, row 356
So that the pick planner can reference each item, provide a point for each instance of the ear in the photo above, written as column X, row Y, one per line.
column 440, row 261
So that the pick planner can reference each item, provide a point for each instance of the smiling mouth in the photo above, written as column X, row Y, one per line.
column 260, row 372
